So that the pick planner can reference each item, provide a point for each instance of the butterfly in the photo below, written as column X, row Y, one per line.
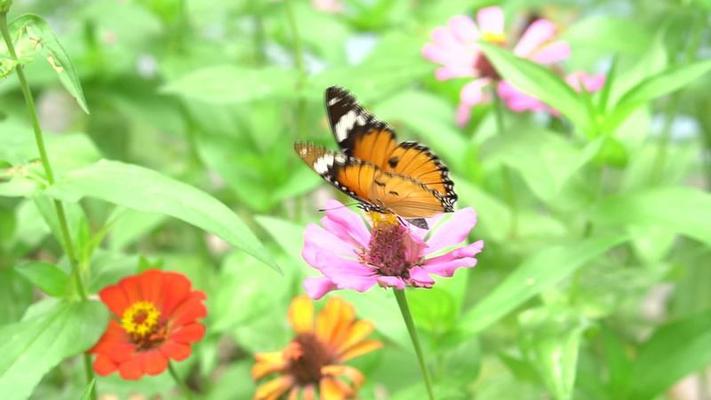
column 382, row 174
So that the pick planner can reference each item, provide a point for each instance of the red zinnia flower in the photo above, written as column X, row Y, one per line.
column 155, row 318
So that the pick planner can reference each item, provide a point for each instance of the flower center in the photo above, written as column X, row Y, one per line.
column 307, row 355
column 482, row 64
column 141, row 323
column 392, row 249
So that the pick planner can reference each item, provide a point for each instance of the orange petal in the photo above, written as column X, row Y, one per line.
column 359, row 349
column 274, row 388
column 176, row 288
column 294, row 394
column 332, row 389
column 176, row 351
column 188, row 333
column 151, row 285
column 267, row 363
column 131, row 290
column 336, row 314
column 154, row 362
column 131, row 369
column 301, row 314
column 353, row 375
column 358, row 331
column 115, row 299
column 309, row 392
column 104, row 366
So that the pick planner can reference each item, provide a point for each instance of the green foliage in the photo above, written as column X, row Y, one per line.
column 596, row 218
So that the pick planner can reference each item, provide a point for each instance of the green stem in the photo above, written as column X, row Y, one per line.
column 44, row 157
column 506, row 176
column 181, row 384
column 405, row 311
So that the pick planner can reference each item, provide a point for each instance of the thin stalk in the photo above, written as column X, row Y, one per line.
column 183, row 387
column 505, row 171
column 44, row 157
column 407, row 316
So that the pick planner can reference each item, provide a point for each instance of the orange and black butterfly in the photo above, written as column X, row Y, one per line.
column 385, row 176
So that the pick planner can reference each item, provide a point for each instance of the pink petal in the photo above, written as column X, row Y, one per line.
column 391, row 281
column 447, row 264
column 591, row 82
column 551, row 53
column 463, row 29
column 318, row 287
column 491, row 20
column 420, row 278
column 452, row 232
column 472, row 93
column 464, row 113
column 535, row 36
column 517, row 100
column 317, row 237
column 345, row 224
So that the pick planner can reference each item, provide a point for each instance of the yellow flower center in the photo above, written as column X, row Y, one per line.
column 140, row 319
column 495, row 38
column 383, row 219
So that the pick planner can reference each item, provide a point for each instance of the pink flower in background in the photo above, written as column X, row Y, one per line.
column 352, row 255
column 455, row 47
column 519, row 101
column 328, row 6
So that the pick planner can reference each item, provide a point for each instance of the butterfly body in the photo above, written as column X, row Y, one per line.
column 385, row 176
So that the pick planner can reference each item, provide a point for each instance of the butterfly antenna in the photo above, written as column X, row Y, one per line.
column 337, row 208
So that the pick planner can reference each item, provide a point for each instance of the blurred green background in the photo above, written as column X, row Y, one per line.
column 594, row 283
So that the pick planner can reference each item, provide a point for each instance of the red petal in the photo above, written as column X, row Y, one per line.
column 188, row 311
column 176, row 288
column 154, row 362
column 174, row 350
column 188, row 333
column 130, row 287
column 151, row 285
column 131, row 369
column 115, row 299
column 103, row 365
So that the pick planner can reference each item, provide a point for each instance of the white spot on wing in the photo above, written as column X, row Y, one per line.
column 340, row 158
column 345, row 124
column 334, row 101
column 323, row 164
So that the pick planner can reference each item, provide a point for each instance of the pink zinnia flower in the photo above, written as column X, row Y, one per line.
column 519, row 101
column 456, row 48
column 353, row 255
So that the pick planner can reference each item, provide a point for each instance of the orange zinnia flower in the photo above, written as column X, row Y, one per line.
column 312, row 362
column 155, row 318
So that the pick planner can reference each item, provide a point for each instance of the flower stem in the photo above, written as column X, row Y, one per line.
column 44, row 157
column 405, row 311
column 505, row 171
column 181, row 384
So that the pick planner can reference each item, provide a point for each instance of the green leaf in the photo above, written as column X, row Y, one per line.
column 494, row 216
column 538, row 273
column 45, row 337
column 88, row 389
column 657, row 85
column 36, row 31
column 15, row 295
column 538, row 81
column 673, row 352
column 545, row 160
column 551, row 338
column 146, row 190
column 288, row 235
column 675, row 209
column 48, row 277
column 228, row 84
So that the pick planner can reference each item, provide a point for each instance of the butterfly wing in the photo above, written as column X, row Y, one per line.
column 360, row 135
column 374, row 188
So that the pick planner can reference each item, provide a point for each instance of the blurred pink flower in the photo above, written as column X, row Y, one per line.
column 328, row 6
column 455, row 47
column 519, row 101
column 352, row 255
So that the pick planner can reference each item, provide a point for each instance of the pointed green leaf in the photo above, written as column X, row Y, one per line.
column 48, row 277
column 44, row 338
column 538, row 273
column 35, row 35
column 539, row 82
column 146, row 190
column 88, row 389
